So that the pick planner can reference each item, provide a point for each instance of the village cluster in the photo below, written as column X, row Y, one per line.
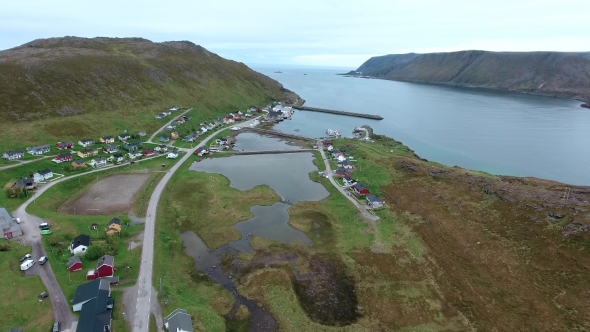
column 344, row 172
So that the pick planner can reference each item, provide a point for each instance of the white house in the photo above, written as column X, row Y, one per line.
column 42, row 175
column 374, row 201
column 99, row 162
column 86, row 142
column 133, row 155
column 80, row 244
column 13, row 155
column 330, row 148
column 172, row 155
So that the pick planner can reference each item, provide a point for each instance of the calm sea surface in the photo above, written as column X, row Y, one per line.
column 496, row 132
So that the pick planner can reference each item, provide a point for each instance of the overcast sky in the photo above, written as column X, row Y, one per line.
column 341, row 33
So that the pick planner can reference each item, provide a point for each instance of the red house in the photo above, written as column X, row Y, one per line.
column 64, row 145
column 74, row 264
column 259, row 111
column 62, row 157
column 104, row 268
column 359, row 189
column 201, row 151
column 343, row 172
column 327, row 143
column 149, row 152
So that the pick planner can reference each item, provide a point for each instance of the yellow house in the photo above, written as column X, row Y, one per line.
column 87, row 153
column 78, row 163
column 107, row 139
column 174, row 135
column 114, row 227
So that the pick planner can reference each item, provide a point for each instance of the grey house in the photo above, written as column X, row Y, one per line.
column 94, row 301
column 13, row 155
column 178, row 321
column 9, row 226
column 374, row 201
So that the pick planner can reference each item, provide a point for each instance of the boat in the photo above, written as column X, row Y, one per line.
column 297, row 130
column 333, row 133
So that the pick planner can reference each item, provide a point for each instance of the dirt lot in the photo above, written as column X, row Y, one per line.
column 111, row 195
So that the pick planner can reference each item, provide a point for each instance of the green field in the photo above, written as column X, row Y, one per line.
column 20, row 306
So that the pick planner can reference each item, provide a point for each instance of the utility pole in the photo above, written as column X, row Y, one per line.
column 160, row 287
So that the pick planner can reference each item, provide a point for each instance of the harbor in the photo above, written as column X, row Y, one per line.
column 324, row 110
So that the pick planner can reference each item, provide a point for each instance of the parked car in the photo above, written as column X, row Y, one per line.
column 55, row 327
column 43, row 260
column 25, row 257
column 27, row 264
column 43, row 295
column 45, row 232
column 44, row 225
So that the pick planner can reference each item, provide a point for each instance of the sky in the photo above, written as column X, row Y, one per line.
column 330, row 33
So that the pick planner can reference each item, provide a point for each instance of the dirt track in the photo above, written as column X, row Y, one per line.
column 113, row 194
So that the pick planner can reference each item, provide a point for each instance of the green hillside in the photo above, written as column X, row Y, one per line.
column 69, row 88
column 543, row 73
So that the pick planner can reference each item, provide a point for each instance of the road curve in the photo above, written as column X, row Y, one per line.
column 144, row 281
column 174, row 118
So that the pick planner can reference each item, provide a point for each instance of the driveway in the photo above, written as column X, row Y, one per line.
column 330, row 174
column 144, row 281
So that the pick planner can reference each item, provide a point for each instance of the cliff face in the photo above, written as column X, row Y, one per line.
column 544, row 73
column 67, row 76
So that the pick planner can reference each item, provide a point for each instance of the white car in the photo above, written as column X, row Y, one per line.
column 234, row 128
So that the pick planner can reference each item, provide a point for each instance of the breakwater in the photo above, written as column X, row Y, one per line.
column 278, row 134
column 270, row 152
column 324, row 110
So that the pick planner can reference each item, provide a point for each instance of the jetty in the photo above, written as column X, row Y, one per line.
column 242, row 153
column 324, row 110
column 278, row 133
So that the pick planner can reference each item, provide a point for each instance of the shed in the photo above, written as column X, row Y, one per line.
column 74, row 264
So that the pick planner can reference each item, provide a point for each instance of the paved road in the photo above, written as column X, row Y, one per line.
column 144, row 282
column 174, row 118
column 362, row 208
column 21, row 162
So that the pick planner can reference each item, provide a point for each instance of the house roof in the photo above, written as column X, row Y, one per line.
column 106, row 260
column 342, row 170
column 73, row 260
column 161, row 146
column 148, row 150
column 107, row 137
column 359, row 187
column 89, row 290
column 13, row 152
column 199, row 150
column 345, row 162
column 179, row 320
column 374, row 199
column 124, row 135
column 81, row 240
column 88, row 150
column 44, row 146
column 100, row 160
column 133, row 143
column 79, row 162
column 85, row 140
column 142, row 133
column 6, row 222
column 111, row 147
column 95, row 314
column 118, row 155
column 65, row 155
column 115, row 221
column 45, row 171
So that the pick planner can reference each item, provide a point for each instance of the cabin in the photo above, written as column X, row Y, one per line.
column 110, row 149
column 104, row 268
column 342, row 172
column 114, row 227
column 178, row 321
column 42, row 175
column 78, row 163
column 99, row 162
column 79, row 245
column 172, row 155
column 74, row 264
column 13, row 155
column 107, row 139
column 87, row 153
column 360, row 189
column 60, row 158
column 28, row 183
column 374, row 201
column 37, row 150
column 149, row 152
column 123, row 137
column 161, row 148
column 86, row 142
column 64, row 145
column 94, row 302
column 132, row 146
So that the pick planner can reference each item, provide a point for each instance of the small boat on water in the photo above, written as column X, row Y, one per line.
column 297, row 130
column 333, row 133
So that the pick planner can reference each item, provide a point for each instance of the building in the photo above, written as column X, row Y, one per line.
column 28, row 183
column 178, row 321
column 123, row 137
column 348, row 181
column 60, row 158
column 64, row 145
column 94, row 302
column 133, row 155
column 342, row 172
column 132, row 146
column 80, row 244
column 360, row 189
column 172, row 155
column 110, row 149
column 174, row 135
column 201, row 151
column 86, row 142
column 43, row 175
column 78, row 163
column 161, row 148
column 87, row 153
column 100, row 162
column 8, row 225
column 148, row 152
column 344, row 163
column 41, row 149
column 117, row 158
column 114, row 227
column 13, row 155
column 107, row 139
column 104, row 268
column 74, row 264
column 374, row 201
column 164, row 138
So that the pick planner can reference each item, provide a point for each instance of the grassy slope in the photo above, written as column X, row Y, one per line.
column 20, row 306
column 115, row 84
column 549, row 73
